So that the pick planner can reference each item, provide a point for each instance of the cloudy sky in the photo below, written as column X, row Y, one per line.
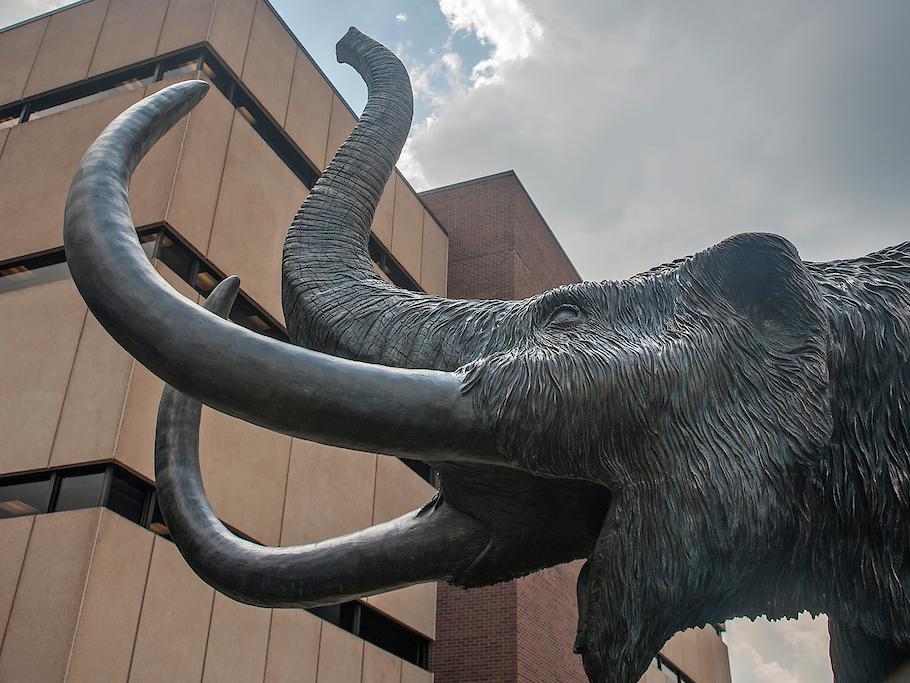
column 649, row 130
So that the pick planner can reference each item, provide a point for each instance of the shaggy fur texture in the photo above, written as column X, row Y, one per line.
column 722, row 436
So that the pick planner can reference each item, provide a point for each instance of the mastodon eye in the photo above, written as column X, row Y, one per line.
column 565, row 314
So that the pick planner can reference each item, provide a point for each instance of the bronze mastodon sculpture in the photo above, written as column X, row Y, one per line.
column 724, row 435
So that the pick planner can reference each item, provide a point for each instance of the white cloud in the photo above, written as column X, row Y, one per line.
column 506, row 25
column 13, row 11
column 646, row 131
column 401, row 17
column 788, row 650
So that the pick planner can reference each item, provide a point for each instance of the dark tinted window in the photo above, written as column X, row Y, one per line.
column 176, row 257
column 127, row 496
column 25, row 496
column 393, row 637
column 29, row 275
column 157, row 523
column 79, row 491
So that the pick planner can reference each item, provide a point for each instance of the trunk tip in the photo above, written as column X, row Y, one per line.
column 346, row 48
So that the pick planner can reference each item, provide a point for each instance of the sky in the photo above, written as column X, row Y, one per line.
column 649, row 130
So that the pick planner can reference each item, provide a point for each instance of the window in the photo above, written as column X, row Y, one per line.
column 33, row 271
column 8, row 120
column 27, row 495
column 376, row 628
column 80, row 489
column 176, row 257
column 180, row 68
column 127, row 495
column 156, row 520
column 423, row 470
column 391, row 636
column 39, row 110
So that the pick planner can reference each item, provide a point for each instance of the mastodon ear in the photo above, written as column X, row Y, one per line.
column 763, row 278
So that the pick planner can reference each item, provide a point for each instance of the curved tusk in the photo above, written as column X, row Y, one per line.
column 430, row 544
column 412, row 413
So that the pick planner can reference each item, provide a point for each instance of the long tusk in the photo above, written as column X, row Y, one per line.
column 434, row 543
column 413, row 413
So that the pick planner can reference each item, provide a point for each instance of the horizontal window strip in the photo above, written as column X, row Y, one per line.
column 112, row 486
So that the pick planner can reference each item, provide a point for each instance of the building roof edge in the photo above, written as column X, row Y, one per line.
column 513, row 174
column 43, row 15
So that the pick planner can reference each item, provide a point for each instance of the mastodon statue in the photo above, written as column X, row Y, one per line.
column 724, row 435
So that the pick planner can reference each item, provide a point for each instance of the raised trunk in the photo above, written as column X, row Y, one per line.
column 333, row 299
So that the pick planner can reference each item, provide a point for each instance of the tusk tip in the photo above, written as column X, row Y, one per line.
column 222, row 297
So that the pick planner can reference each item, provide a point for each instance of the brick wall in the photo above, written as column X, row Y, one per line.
column 500, row 247
column 476, row 635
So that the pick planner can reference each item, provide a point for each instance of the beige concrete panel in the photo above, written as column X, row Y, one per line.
column 129, row 34
column 380, row 666
column 340, row 656
column 135, row 446
column 398, row 489
column 195, row 195
column 35, row 370
column 186, row 23
column 340, row 126
column 293, row 647
column 42, row 622
column 269, row 64
column 244, row 468
column 18, row 48
column 174, row 624
column 674, row 649
column 654, row 675
column 258, row 199
column 414, row 674
column 407, row 232
column 238, row 638
column 14, row 534
column 414, row 606
column 434, row 263
column 309, row 109
column 67, row 47
column 113, row 598
column 720, row 657
column 230, row 30
column 330, row 492
column 3, row 135
column 153, row 181
column 687, row 650
column 385, row 213
column 39, row 160
column 94, row 398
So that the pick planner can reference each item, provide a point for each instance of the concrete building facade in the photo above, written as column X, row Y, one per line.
column 90, row 586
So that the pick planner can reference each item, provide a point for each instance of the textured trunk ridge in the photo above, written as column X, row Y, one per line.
column 333, row 300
